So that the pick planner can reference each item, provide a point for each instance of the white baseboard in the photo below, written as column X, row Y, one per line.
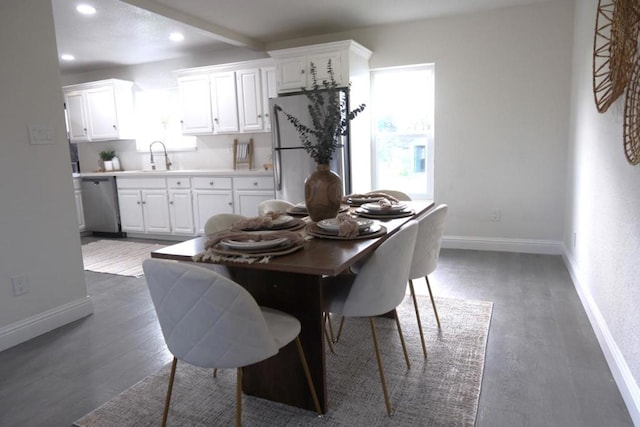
column 547, row 247
column 622, row 375
column 41, row 323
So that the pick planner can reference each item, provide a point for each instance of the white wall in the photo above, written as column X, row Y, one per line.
column 38, row 224
column 502, row 111
column 602, row 211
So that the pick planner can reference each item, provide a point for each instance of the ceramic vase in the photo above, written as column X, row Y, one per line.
column 116, row 163
column 108, row 165
column 323, row 193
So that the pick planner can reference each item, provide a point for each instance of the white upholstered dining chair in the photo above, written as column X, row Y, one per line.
column 210, row 321
column 425, row 257
column 378, row 288
column 274, row 205
column 220, row 222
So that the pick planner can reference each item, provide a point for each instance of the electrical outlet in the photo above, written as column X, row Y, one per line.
column 495, row 214
column 20, row 284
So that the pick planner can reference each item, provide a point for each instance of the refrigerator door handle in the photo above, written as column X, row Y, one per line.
column 277, row 157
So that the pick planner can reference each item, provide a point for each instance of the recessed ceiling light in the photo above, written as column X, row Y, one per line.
column 176, row 37
column 67, row 57
column 86, row 9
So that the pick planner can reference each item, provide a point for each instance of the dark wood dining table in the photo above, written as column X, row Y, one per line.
column 293, row 283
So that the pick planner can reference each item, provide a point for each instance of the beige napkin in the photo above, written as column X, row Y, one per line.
column 292, row 236
column 256, row 222
column 347, row 226
column 369, row 196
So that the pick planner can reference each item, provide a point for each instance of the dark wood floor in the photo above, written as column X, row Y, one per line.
column 543, row 364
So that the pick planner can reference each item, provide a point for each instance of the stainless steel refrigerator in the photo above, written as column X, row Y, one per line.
column 291, row 163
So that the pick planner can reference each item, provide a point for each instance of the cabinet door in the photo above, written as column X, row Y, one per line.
column 131, row 218
column 155, row 209
column 79, row 210
column 321, row 61
column 77, row 117
column 292, row 74
column 249, row 100
column 207, row 203
column 247, row 201
column 269, row 90
column 181, row 211
column 101, row 113
column 224, row 102
column 195, row 97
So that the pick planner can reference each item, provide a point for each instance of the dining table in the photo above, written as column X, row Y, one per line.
column 293, row 283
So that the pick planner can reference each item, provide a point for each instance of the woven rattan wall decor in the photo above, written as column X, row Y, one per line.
column 632, row 117
column 614, row 50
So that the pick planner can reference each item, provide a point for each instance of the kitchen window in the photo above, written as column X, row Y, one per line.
column 403, row 114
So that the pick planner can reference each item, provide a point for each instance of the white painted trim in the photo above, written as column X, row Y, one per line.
column 622, row 375
column 41, row 323
column 547, row 247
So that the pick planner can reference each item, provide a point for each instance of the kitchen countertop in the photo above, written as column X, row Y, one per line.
column 190, row 172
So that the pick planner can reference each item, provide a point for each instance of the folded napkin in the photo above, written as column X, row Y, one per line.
column 293, row 237
column 385, row 204
column 371, row 195
column 256, row 222
column 347, row 226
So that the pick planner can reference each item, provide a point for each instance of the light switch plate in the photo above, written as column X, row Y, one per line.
column 41, row 135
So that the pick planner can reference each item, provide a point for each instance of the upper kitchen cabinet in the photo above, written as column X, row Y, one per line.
column 293, row 66
column 227, row 99
column 100, row 111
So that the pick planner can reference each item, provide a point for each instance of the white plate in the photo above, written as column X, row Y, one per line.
column 332, row 224
column 282, row 219
column 360, row 200
column 377, row 207
column 262, row 244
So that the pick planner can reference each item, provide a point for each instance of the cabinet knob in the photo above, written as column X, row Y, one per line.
column 230, row 203
column 259, row 116
column 301, row 71
column 178, row 183
column 171, row 202
column 115, row 127
column 138, row 202
column 144, row 203
column 211, row 183
column 255, row 184
column 215, row 119
column 266, row 115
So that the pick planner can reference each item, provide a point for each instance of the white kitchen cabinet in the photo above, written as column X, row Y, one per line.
column 293, row 65
column 250, row 100
column 78, row 199
column 180, row 205
column 269, row 90
column 224, row 102
column 249, row 192
column 211, row 195
column 100, row 111
column 144, row 205
column 195, row 97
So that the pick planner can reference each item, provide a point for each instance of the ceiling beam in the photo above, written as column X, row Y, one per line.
column 216, row 31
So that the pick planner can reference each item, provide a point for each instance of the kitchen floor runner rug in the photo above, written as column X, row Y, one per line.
column 117, row 257
column 443, row 390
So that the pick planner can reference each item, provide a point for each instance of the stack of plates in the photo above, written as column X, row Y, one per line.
column 376, row 210
column 253, row 246
column 332, row 225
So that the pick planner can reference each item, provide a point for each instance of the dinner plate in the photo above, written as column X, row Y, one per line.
column 282, row 219
column 377, row 207
column 333, row 225
column 362, row 200
column 249, row 244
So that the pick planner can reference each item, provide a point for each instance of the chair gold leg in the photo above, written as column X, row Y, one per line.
column 415, row 306
column 239, row 398
column 165, row 414
column 404, row 347
column 340, row 329
column 380, row 369
column 307, row 373
column 328, row 335
column 327, row 319
column 433, row 303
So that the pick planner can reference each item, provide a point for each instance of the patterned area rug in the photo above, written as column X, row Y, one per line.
column 117, row 256
column 442, row 390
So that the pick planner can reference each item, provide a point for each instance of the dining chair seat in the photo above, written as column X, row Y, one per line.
column 209, row 321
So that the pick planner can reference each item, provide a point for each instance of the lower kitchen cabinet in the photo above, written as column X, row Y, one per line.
column 145, row 211
column 181, row 212
column 79, row 210
column 250, row 191
column 207, row 203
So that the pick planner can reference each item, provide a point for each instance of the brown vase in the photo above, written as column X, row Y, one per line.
column 323, row 193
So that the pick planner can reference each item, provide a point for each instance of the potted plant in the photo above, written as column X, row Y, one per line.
column 107, row 159
column 329, row 122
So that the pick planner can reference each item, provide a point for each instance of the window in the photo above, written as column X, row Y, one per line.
column 158, row 119
column 403, row 112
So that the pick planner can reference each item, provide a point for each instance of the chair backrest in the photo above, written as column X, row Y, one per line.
column 220, row 222
column 274, row 205
column 381, row 282
column 403, row 197
column 207, row 320
column 427, row 251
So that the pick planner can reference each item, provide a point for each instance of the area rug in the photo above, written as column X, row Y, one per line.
column 443, row 390
column 117, row 256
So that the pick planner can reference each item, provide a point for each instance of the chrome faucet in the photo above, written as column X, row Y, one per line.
column 166, row 158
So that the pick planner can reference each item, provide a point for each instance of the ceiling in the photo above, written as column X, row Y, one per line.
column 136, row 31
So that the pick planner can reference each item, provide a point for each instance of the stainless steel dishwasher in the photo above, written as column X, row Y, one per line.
column 100, row 205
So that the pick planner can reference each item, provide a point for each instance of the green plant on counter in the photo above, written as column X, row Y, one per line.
column 107, row 155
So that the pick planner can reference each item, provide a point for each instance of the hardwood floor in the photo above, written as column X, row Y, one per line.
column 543, row 366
